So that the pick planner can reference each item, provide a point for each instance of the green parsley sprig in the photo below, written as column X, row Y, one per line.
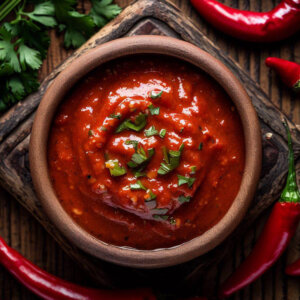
column 24, row 41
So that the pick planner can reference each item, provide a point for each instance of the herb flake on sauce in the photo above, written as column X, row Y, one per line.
column 154, row 95
column 140, row 158
column 183, row 199
column 162, row 133
column 115, row 116
column 138, row 124
column 193, row 170
column 115, row 168
column 185, row 180
column 137, row 186
column 171, row 160
column 151, row 131
column 154, row 111
column 134, row 143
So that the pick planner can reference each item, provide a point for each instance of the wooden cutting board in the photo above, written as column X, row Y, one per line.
column 147, row 17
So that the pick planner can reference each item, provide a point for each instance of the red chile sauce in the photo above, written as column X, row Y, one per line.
column 155, row 212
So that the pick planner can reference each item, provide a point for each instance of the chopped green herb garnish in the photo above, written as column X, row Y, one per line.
column 154, row 111
column 91, row 132
column 151, row 194
column 162, row 133
column 181, row 147
column 200, row 146
column 115, row 168
column 103, row 128
column 151, row 131
column 185, row 180
column 193, row 170
column 139, row 174
column 171, row 159
column 140, row 159
column 115, row 116
column 134, row 143
column 172, row 221
column 166, row 155
column 139, row 123
column 183, row 199
column 181, row 130
column 137, row 186
column 158, row 217
column 155, row 96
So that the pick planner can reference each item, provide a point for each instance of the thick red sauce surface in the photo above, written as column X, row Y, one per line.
column 84, row 147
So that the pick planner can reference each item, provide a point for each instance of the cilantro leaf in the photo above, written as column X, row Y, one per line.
column 185, row 180
column 7, row 50
column 31, row 35
column 151, row 195
column 172, row 221
column 183, row 199
column 154, row 95
column 115, row 116
column 137, row 186
column 115, row 167
column 43, row 13
column 193, row 169
column 171, row 159
column 13, row 88
column 162, row 133
column 16, row 86
column 140, row 159
column 154, row 111
column 29, row 57
column 138, row 174
column 138, row 124
column 134, row 143
column 103, row 11
column 78, row 27
column 91, row 132
column 160, row 217
column 151, row 131
column 24, row 41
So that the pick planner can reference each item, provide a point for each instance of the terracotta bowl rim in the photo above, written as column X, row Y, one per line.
column 82, row 65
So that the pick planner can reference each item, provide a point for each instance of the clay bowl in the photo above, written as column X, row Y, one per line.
column 124, row 255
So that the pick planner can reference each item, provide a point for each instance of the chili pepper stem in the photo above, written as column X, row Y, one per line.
column 290, row 192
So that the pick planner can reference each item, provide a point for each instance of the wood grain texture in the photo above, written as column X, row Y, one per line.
column 251, row 58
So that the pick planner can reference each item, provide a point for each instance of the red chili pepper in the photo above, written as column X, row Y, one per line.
column 50, row 287
column 288, row 71
column 293, row 269
column 275, row 236
column 275, row 25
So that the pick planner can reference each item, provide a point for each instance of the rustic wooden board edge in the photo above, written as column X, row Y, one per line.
column 145, row 13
